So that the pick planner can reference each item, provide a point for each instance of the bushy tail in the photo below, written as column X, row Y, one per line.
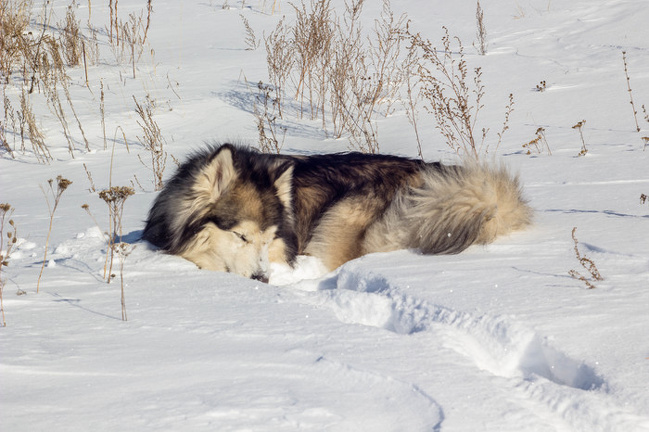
column 455, row 207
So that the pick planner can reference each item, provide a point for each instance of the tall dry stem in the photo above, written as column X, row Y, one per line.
column 481, row 32
column 5, row 251
column 586, row 263
column 450, row 94
column 579, row 126
column 152, row 140
column 123, row 251
column 266, row 109
column 28, row 124
column 61, row 185
column 114, row 197
column 628, row 85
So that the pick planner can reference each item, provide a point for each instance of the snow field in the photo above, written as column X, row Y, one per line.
column 499, row 338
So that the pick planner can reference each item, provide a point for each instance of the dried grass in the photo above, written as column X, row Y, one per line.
column 152, row 140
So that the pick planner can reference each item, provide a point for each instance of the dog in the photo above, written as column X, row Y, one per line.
column 233, row 209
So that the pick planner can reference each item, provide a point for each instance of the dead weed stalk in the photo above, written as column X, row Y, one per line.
column 539, row 143
column 114, row 197
column 587, row 264
column 579, row 126
column 5, row 251
column 628, row 86
column 266, row 109
column 334, row 72
column 152, row 140
column 481, row 32
column 451, row 94
column 61, row 185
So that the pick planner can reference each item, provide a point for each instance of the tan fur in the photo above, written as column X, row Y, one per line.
column 452, row 210
column 208, row 187
column 212, row 182
column 284, row 188
column 277, row 252
column 244, row 249
column 337, row 238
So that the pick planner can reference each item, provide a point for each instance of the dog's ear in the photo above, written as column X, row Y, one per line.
column 215, row 177
column 283, row 183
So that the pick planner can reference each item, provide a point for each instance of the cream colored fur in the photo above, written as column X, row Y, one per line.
column 451, row 210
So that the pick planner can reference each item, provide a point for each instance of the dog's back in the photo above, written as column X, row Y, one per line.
column 348, row 205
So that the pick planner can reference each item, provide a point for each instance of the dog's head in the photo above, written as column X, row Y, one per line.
column 238, row 203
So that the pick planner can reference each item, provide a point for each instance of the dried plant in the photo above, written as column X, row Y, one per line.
column 337, row 72
column 279, row 60
column 579, row 126
column 149, row 11
column 102, row 111
column 355, row 87
column 450, row 94
column 587, row 264
column 385, row 58
column 644, row 198
column 348, row 60
column 345, row 76
column 92, row 188
column 541, row 86
column 4, row 144
column 127, row 38
column 123, row 251
column 61, row 185
column 5, row 251
column 16, row 41
column 71, row 39
column 265, row 109
column 413, row 95
column 133, row 31
column 29, row 128
column 152, row 140
column 250, row 40
column 312, row 36
column 538, row 143
column 481, row 32
column 41, row 57
column 114, row 197
column 66, row 90
column 9, row 119
column 628, row 85
column 509, row 108
column 113, row 22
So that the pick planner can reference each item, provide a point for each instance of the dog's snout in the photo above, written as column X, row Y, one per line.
column 260, row 277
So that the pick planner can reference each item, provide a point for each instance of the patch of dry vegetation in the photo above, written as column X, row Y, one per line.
column 346, row 77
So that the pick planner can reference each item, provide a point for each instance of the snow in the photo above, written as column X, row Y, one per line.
column 498, row 338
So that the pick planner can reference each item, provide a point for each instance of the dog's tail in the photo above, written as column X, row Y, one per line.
column 453, row 208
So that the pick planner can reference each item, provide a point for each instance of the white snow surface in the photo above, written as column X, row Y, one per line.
column 497, row 338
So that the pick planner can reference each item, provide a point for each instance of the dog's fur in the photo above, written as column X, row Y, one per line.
column 233, row 209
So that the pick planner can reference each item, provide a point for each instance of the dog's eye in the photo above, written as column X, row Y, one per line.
column 242, row 237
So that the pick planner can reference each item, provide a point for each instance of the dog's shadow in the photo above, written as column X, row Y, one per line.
column 135, row 237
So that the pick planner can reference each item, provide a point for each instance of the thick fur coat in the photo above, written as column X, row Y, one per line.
column 233, row 209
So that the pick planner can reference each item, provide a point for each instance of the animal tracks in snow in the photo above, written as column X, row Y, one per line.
column 538, row 375
column 494, row 343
